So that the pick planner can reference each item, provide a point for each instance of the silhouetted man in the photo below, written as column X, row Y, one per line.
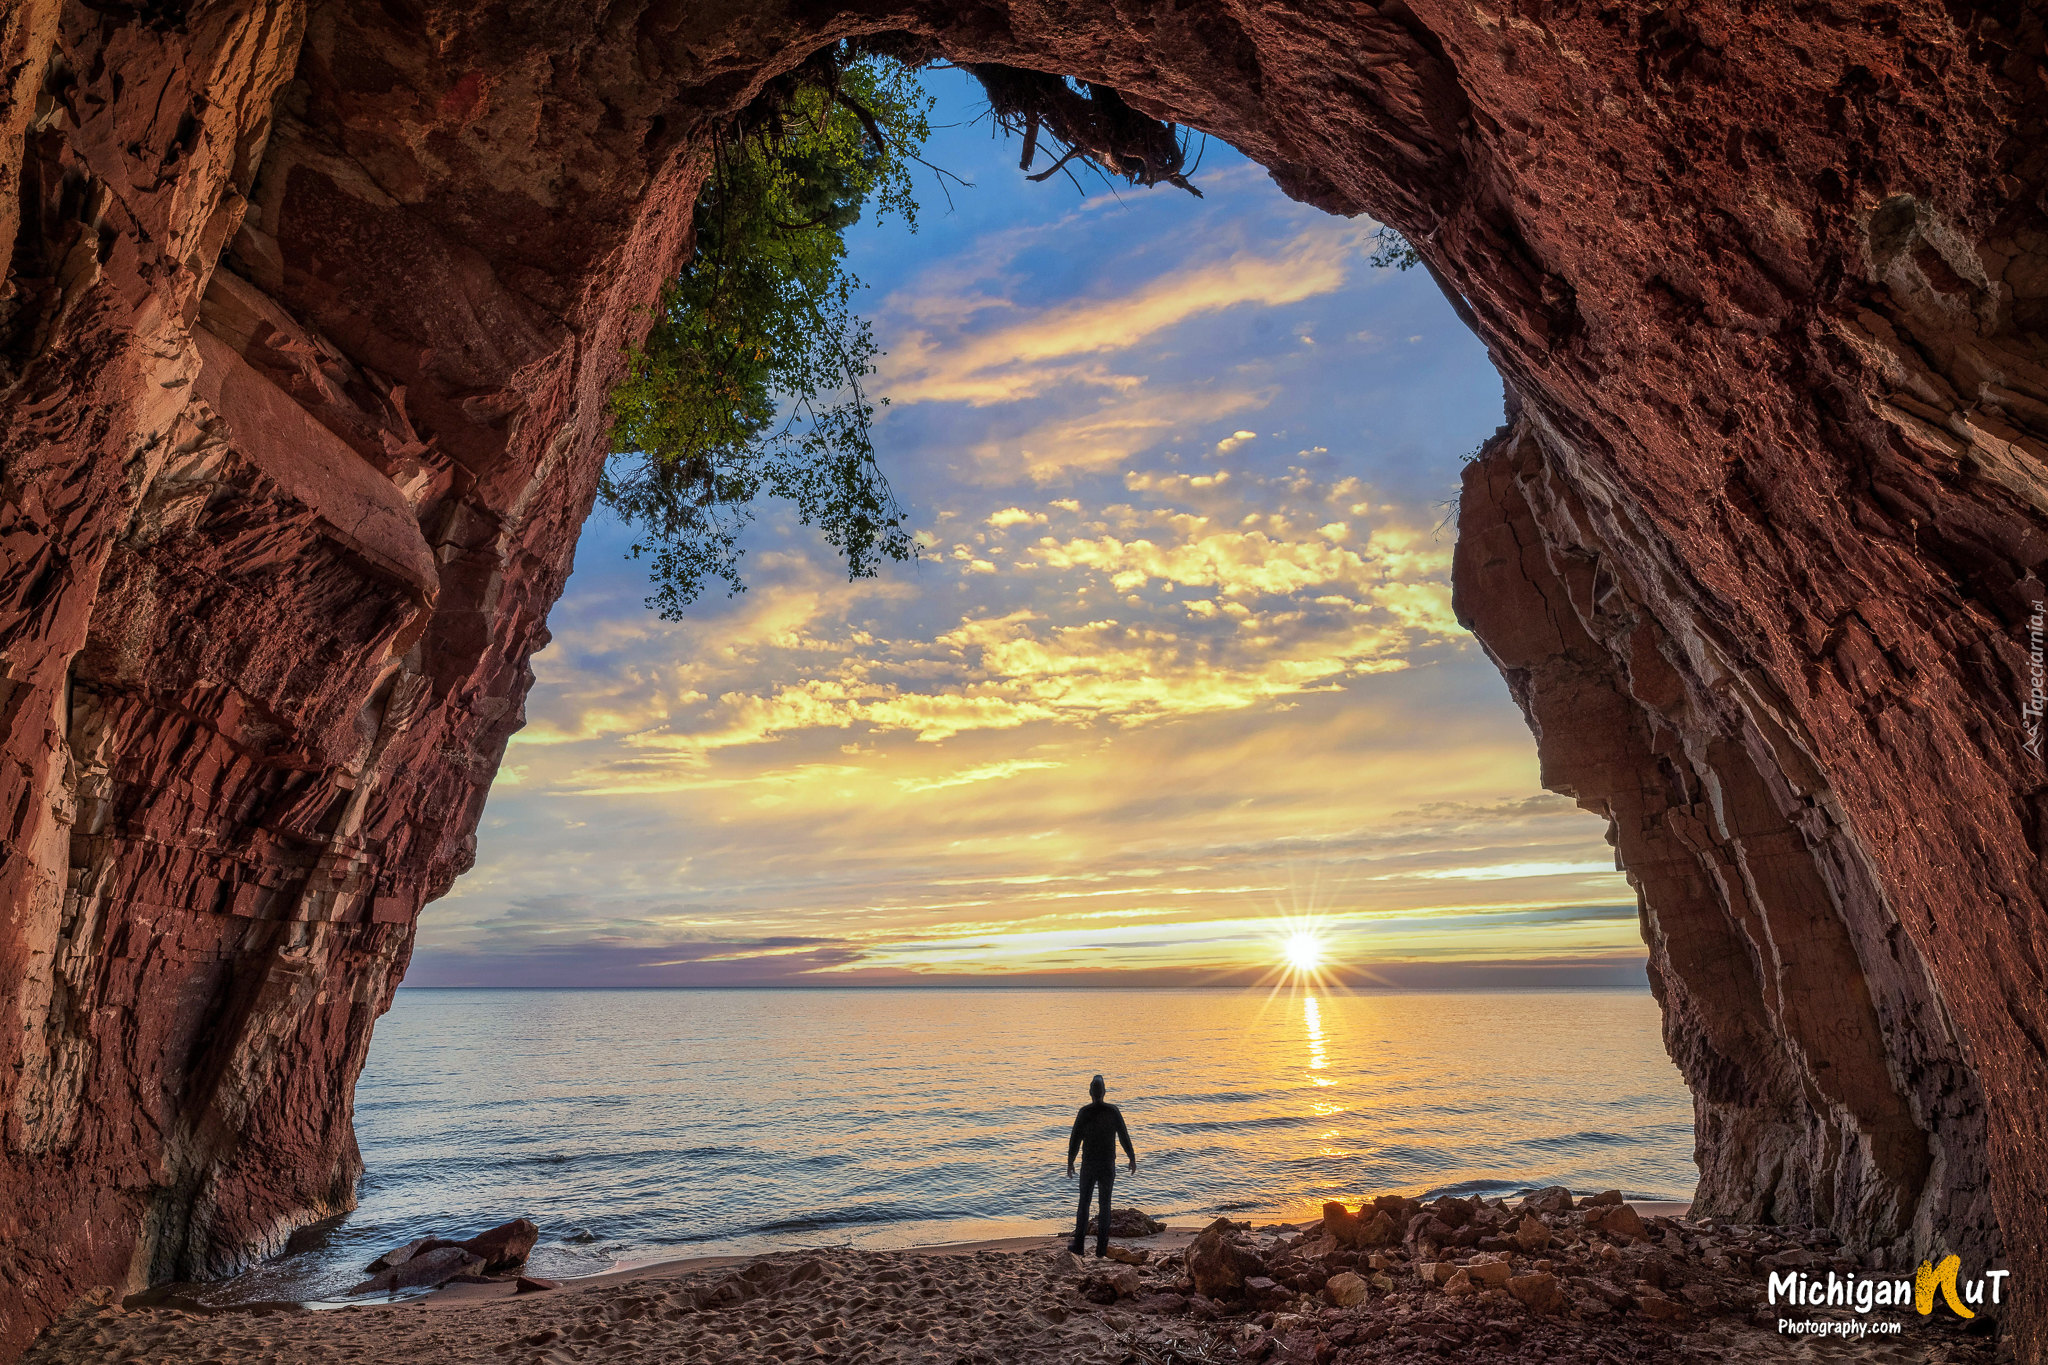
column 1098, row 1128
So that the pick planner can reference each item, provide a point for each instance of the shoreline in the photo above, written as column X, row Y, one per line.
column 1545, row 1278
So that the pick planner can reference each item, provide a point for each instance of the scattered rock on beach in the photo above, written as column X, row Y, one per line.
column 1219, row 1262
column 1617, row 1220
column 1128, row 1223
column 1554, row 1199
column 1346, row 1289
column 533, row 1284
column 1538, row 1290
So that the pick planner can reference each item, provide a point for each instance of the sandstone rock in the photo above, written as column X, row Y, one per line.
column 1539, row 1291
column 1340, row 1224
column 1618, row 1220
column 1264, row 1292
column 1554, row 1199
column 1380, row 1231
column 1346, row 1290
column 1219, row 1263
column 504, row 1246
column 1459, row 1284
column 1605, row 1199
column 1488, row 1273
column 1128, row 1223
column 533, row 1284
column 425, row 1269
column 400, row 1255
column 1452, row 1212
column 1658, row 1308
column 1129, row 1255
column 1532, row 1235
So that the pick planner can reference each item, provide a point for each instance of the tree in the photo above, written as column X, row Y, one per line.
column 751, row 379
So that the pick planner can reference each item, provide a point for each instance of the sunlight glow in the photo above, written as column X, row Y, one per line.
column 1304, row 951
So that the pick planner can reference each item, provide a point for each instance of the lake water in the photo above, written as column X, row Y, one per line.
column 640, row 1125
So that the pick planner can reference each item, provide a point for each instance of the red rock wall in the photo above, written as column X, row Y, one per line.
column 308, row 318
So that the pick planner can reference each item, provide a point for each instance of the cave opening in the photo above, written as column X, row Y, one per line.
column 319, row 368
column 1174, row 687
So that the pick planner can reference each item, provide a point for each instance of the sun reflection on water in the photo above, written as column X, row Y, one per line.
column 1312, row 1025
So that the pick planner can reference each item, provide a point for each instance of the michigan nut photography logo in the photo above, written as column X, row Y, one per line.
column 1866, row 1294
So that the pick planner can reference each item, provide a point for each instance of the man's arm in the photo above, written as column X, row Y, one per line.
column 1123, row 1135
column 1073, row 1143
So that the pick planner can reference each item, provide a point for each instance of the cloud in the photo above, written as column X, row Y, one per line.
column 1117, row 724
column 986, row 772
column 1032, row 350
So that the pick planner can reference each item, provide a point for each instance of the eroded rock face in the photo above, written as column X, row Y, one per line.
column 309, row 315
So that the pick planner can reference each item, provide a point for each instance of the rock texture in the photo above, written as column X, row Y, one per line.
column 308, row 317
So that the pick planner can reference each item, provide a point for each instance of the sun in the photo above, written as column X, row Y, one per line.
column 1304, row 951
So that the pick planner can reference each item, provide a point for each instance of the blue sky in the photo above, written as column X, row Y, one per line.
column 1175, row 674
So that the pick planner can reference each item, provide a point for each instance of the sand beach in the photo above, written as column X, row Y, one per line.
column 1597, row 1282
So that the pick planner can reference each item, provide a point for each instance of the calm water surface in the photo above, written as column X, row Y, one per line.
column 639, row 1125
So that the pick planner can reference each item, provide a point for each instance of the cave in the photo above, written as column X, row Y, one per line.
column 309, row 319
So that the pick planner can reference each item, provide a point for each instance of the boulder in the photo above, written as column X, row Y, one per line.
column 1539, row 1291
column 1128, row 1223
column 1618, row 1220
column 1340, row 1224
column 1346, row 1290
column 1489, row 1272
column 1381, row 1231
column 1554, row 1199
column 1451, row 1212
column 505, row 1245
column 1264, row 1292
column 424, row 1270
column 1605, row 1199
column 1219, row 1263
column 400, row 1255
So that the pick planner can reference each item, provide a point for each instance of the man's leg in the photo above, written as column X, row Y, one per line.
column 1080, row 1242
column 1102, row 1234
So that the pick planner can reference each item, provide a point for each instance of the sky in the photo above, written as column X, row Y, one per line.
column 1175, row 678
